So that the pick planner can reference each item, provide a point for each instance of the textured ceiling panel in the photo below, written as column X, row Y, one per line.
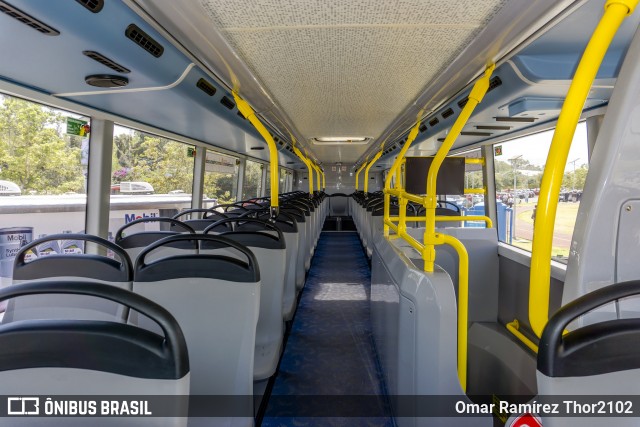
column 348, row 68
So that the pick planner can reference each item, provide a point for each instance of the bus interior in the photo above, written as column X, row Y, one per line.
column 320, row 212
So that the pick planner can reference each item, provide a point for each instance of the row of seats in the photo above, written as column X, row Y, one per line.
column 227, row 278
column 413, row 313
column 368, row 209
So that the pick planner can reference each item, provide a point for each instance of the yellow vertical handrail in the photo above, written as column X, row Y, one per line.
column 431, row 238
column 324, row 182
column 307, row 163
column 463, row 305
column 615, row 12
column 319, row 180
column 395, row 170
column 364, row 165
column 366, row 171
column 249, row 114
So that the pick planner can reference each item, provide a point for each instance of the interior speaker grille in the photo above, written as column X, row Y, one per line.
column 106, row 80
column 494, row 83
column 227, row 103
column 144, row 40
column 106, row 61
column 26, row 19
column 206, row 87
column 447, row 113
column 423, row 128
column 94, row 6
column 434, row 121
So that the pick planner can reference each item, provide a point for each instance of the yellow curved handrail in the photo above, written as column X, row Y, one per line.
column 615, row 12
column 307, row 163
column 395, row 171
column 366, row 171
column 431, row 238
column 247, row 111
column 364, row 165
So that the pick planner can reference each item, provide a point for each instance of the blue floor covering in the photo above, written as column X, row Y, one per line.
column 329, row 375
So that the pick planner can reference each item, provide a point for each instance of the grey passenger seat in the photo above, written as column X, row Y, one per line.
column 85, row 358
column 268, row 246
column 289, row 227
column 600, row 360
column 216, row 299
column 300, row 218
column 85, row 267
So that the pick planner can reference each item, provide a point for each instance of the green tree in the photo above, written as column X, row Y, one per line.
column 34, row 153
column 575, row 180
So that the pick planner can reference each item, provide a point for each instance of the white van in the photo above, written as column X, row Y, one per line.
column 136, row 188
column 8, row 188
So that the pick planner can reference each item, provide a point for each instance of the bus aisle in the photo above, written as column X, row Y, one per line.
column 329, row 366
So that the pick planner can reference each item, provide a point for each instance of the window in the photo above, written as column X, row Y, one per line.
column 519, row 165
column 220, row 179
column 252, row 180
column 151, row 176
column 43, row 168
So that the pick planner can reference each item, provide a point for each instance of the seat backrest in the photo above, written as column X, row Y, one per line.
column 135, row 236
column 89, row 357
column 299, row 216
column 216, row 300
column 73, row 266
column 270, row 252
column 199, row 219
column 289, row 227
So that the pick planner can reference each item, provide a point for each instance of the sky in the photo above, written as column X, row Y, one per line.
column 535, row 148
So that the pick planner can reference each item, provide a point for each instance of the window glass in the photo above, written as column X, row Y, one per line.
column 220, row 179
column 43, row 169
column 283, row 181
column 519, row 165
column 252, row 186
column 150, row 176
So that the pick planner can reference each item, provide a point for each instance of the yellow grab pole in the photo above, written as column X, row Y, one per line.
column 319, row 180
column 463, row 306
column 247, row 111
column 324, row 182
column 307, row 163
column 366, row 171
column 395, row 170
column 615, row 12
column 431, row 238
column 364, row 165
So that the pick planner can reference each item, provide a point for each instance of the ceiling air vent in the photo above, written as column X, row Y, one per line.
column 474, row 133
column 434, row 122
column 447, row 113
column 144, row 40
column 94, row 6
column 206, row 87
column 227, row 102
column 423, row 128
column 26, row 19
column 106, row 80
column 493, row 83
column 106, row 61
column 492, row 127
column 516, row 119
